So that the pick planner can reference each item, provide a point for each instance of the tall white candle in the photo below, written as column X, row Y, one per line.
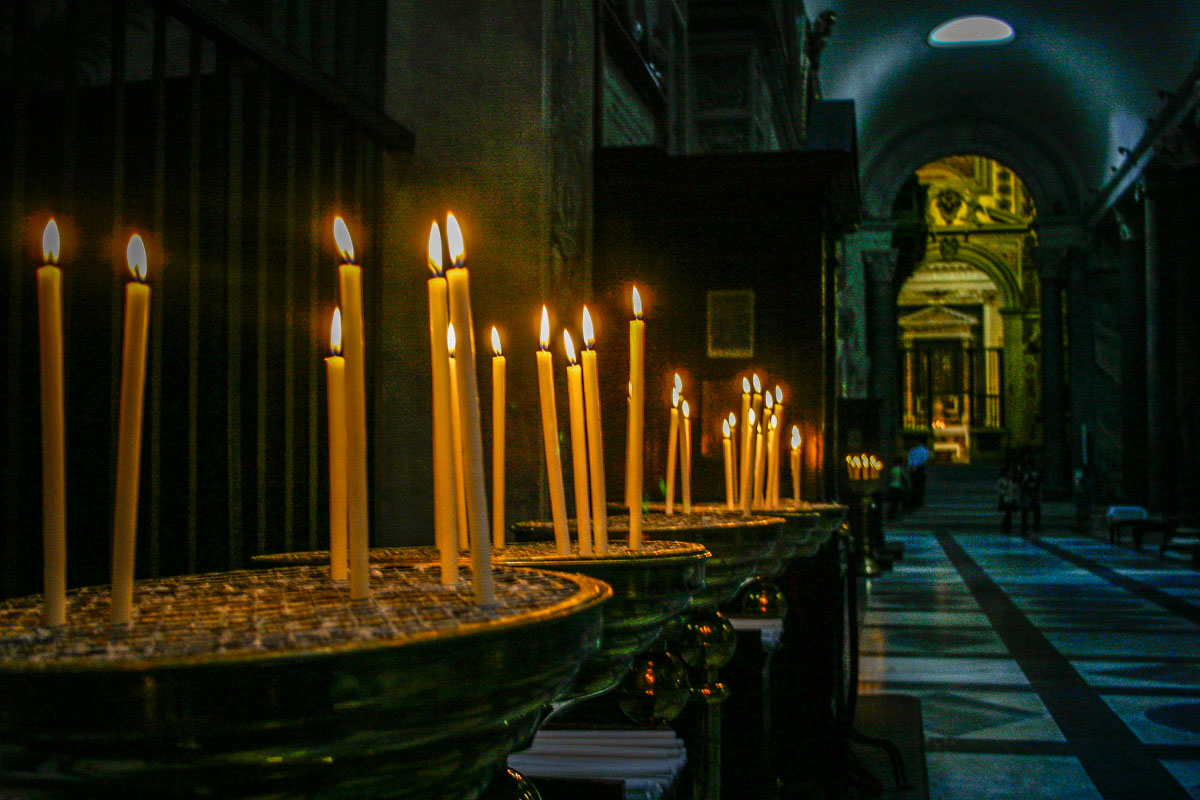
column 459, row 283
column 335, row 386
column 54, row 478
column 744, row 475
column 445, row 527
column 554, row 478
column 733, row 446
column 579, row 457
column 499, row 392
column 591, row 398
column 727, row 453
column 637, row 410
column 796, row 466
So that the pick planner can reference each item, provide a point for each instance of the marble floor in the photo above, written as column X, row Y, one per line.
column 1054, row 666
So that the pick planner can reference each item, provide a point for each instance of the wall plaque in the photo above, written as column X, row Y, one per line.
column 731, row 324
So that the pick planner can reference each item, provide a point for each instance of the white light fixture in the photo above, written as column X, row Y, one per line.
column 973, row 31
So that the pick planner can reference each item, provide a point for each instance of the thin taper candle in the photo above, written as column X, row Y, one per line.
column 672, row 446
column 499, row 390
column 129, row 436
column 685, row 455
column 727, row 453
column 744, row 475
column 591, row 399
column 456, row 439
column 335, row 389
column 54, row 480
column 554, row 478
column 445, row 524
column 795, row 466
column 637, row 420
column 579, row 458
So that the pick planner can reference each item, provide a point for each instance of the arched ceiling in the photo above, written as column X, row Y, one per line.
column 1079, row 80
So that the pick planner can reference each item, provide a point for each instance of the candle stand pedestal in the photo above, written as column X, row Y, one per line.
column 271, row 683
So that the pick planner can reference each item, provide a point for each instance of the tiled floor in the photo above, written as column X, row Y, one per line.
column 1051, row 667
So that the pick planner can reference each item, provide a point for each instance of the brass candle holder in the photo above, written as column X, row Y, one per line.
column 271, row 683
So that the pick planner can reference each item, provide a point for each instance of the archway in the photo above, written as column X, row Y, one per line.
column 967, row 309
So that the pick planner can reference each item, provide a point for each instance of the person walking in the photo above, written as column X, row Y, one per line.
column 898, row 488
column 918, row 456
column 1031, row 497
column 1008, row 493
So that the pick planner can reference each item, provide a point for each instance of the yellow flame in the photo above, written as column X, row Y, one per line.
column 774, row 423
column 757, row 384
column 725, row 428
column 778, row 395
column 678, row 383
column 341, row 237
column 544, row 338
column 675, row 397
column 745, row 386
column 50, row 242
column 769, row 401
column 454, row 241
column 855, row 462
column 435, row 250
column 686, row 410
column 570, row 345
column 589, row 334
column 451, row 339
column 335, row 333
column 732, row 419
column 135, row 256
column 750, row 418
column 496, row 342
column 637, row 304
column 795, row 437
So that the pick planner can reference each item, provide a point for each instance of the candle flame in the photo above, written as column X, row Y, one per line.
column 678, row 383
column 544, row 339
column 725, row 428
column 732, row 419
column 686, row 410
column 570, row 345
column 675, row 397
column 496, row 342
column 745, row 386
column 50, row 242
column 335, row 333
column 750, row 418
column 435, row 251
column 341, row 237
column 451, row 339
column 589, row 334
column 454, row 241
column 637, row 304
column 795, row 437
column 769, row 401
column 135, row 256
column 757, row 384
column 778, row 395
column 774, row 423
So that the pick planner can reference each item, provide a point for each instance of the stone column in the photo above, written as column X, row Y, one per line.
column 1161, row 422
column 880, row 268
column 1132, row 327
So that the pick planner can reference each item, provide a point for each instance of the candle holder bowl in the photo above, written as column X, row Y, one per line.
column 650, row 587
column 271, row 683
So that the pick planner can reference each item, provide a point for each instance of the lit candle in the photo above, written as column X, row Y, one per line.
column 54, row 480
column 129, row 435
column 335, row 385
column 591, row 398
column 760, row 458
column 459, row 285
column 672, row 444
column 685, row 455
column 727, row 452
column 759, row 455
column 773, row 468
column 558, row 504
column 354, row 351
column 744, row 476
column 637, row 420
column 733, row 446
column 772, row 461
column 444, row 415
column 499, row 387
column 456, row 440
column 579, row 458
column 796, row 466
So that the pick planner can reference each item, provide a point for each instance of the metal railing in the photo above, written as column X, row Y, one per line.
column 228, row 135
column 952, row 386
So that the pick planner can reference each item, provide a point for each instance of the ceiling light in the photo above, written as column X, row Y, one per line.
column 974, row 31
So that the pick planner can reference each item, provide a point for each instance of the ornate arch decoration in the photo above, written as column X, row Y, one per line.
column 991, row 265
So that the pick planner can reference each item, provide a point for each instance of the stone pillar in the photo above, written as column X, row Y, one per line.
column 1161, row 423
column 1014, row 389
column 880, row 268
column 1132, row 327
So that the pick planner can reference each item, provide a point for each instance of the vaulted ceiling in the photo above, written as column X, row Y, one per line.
column 1079, row 81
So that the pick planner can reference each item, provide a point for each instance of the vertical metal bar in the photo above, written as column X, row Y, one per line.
column 18, row 273
column 314, row 312
column 289, row 331
column 234, row 89
column 261, row 270
column 159, row 195
column 117, row 64
column 195, row 59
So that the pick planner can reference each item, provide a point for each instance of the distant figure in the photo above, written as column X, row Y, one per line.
column 917, row 458
column 1030, row 496
column 897, row 488
column 1008, row 493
